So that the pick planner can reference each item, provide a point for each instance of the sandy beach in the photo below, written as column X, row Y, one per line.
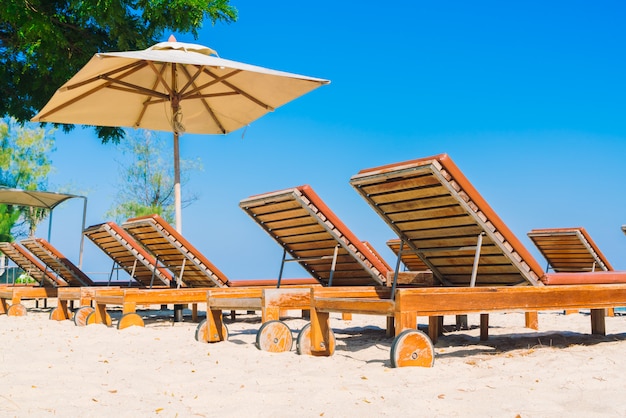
column 50, row 368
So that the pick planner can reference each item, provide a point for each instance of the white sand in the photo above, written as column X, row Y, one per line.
column 50, row 368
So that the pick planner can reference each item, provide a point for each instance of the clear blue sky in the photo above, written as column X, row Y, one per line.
column 528, row 98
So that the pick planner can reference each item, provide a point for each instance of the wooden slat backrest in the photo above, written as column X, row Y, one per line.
column 57, row 262
column 569, row 249
column 438, row 213
column 33, row 267
column 409, row 258
column 128, row 254
column 175, row 252
column 309, row 231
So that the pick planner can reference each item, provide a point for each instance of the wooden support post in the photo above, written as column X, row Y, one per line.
column 402, row 321
column 100, row 313
column 390, row 326
column 598, row 324
column 320, row 333
column 484, row 327
column 62, row 309
column 194, row 312
column 346, row 316
column 129, row 307
column 270, row 313
column 433, row 328
column 215, row 326
column 532, row 320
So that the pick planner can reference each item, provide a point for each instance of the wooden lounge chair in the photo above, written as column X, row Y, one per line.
column 305, row 227
column 480, row 265
column 313, row 236
column 128, row 255
column 57, row 262
column 569, row 250
column 80, row 284
column 190, row 267
column 48, row 281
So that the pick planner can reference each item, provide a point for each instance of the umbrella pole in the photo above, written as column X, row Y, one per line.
column 178, row 309
column 177, row 196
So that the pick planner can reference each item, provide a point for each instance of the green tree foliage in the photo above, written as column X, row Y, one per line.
column 146, row 182
column 43, row 43
column 24, row 164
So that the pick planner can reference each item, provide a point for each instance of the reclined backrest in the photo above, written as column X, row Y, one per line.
column 432, row 206
column 175, row 252
column 128, row 254
column 569, row 249
column 299, row 221
column 57, row 262
column 31, row 266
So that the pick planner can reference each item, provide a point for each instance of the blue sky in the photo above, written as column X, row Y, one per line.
column 528, row 98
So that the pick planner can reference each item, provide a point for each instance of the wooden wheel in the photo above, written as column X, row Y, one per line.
column 17, row 310
column 81, row 314
column 274, row 336
column 91, row 319
column 412, row 348
column 202, row 332
column 57, row 314
column 303, row 342
column 129, row 319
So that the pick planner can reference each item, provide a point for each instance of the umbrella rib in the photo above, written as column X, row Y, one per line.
column 249, row 96
column 215, row 80
column 160, row 78
column 134, row 67
column 204, row 102
column 131, row 88
column 71, row 102
column 191, row 79
column 149, row 100
column 238, row 90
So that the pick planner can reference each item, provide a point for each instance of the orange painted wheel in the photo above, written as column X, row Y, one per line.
column 412, row 348
column 202, row 332
column 17, row 310
column 275, row 337
column 57, row 314
column 130, row 319
column 91, row 319
column 303, row 342
column 81, row 314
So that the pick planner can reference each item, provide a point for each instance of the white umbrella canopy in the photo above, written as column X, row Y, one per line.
column 175, row 87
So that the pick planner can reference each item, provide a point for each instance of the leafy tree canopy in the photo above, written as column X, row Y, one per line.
column 24, row 164
column 43, row 43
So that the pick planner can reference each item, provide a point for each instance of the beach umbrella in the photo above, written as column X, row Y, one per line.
column 175, row 87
